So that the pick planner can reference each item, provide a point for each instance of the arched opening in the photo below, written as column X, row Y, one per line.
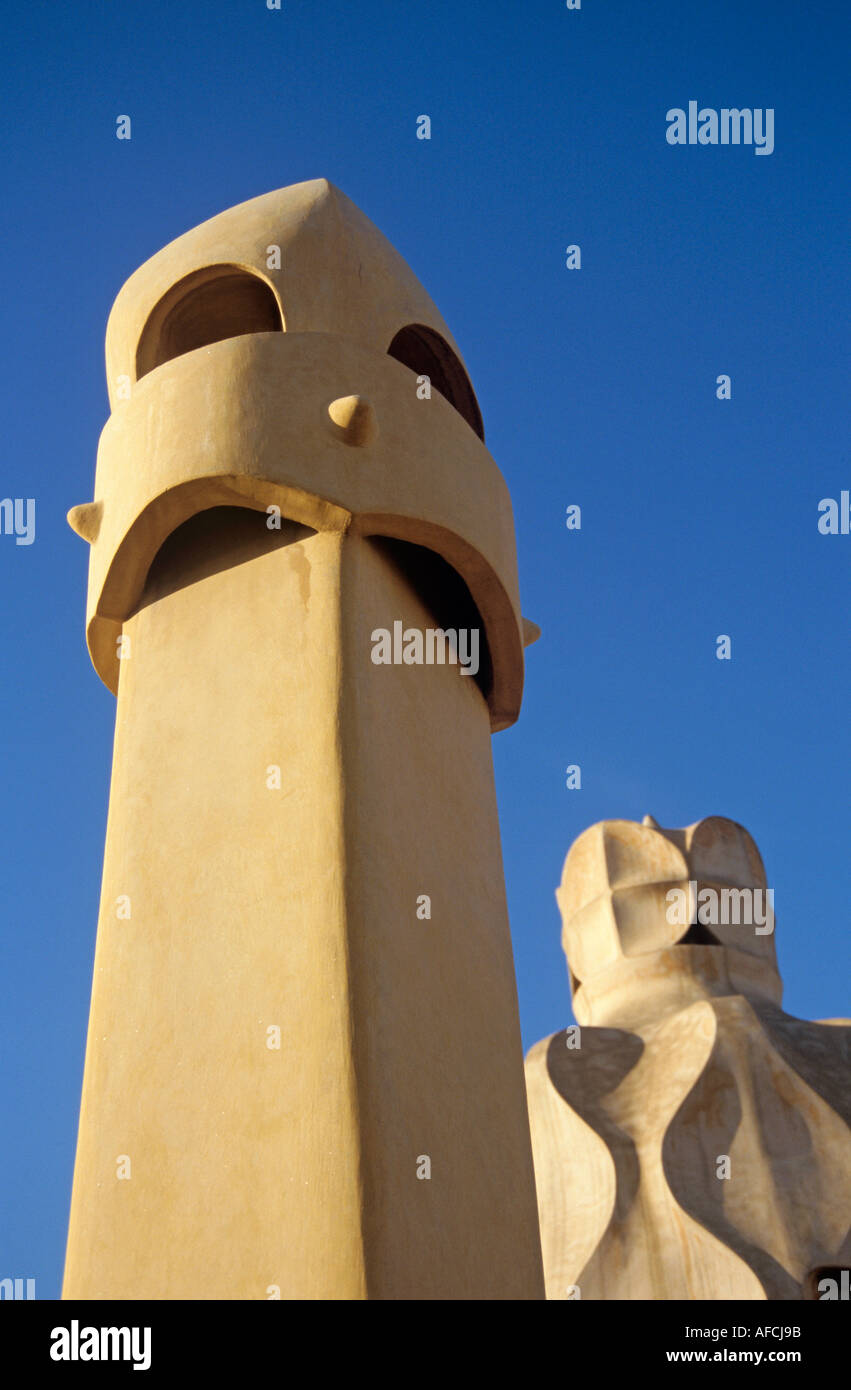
column 220, row 301
column 213, row 540
column 444, row 593
column 426, row 353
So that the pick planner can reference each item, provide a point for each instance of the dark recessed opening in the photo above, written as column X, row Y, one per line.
column 443, row 592
column 838, row 1288
column 426, row 354
column 698, row 935
column 213, row 540
column 205, row 307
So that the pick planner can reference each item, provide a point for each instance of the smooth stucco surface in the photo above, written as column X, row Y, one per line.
column 691, row 1139
column 243, row 648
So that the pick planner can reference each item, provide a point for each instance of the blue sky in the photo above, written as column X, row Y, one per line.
column 597, row 387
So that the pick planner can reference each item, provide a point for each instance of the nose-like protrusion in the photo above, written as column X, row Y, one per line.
column 353, row 420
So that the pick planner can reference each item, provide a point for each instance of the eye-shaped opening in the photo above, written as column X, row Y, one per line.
column 426, row 353
column 220, row 301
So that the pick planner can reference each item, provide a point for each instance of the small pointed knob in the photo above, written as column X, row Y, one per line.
column 86, row 519
column 531, row 632
column 354, row 420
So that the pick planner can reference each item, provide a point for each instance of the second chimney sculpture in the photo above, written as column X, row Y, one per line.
column 691, row 1139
